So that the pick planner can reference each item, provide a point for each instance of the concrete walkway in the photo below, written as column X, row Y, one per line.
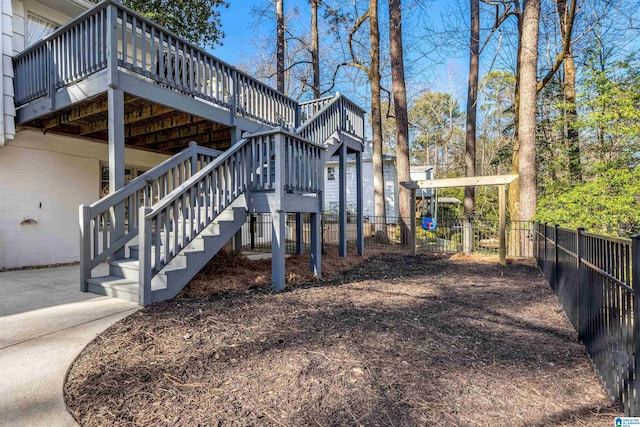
column 45, row 321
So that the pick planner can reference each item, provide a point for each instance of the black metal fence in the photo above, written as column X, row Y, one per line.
column 596, row 279
column 446, row 238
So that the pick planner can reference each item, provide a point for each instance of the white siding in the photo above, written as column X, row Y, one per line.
column 45, row 178
column 331, row 188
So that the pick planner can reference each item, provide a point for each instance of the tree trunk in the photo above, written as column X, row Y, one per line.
column 514, row 187
column 472, row 104
column 566, row 15
column 280, row 46
column 402, row 120
column 379, row 203
column 315, row 49
column 527, row 118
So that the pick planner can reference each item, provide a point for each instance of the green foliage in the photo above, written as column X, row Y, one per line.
column 609, row 204
column 197, row 21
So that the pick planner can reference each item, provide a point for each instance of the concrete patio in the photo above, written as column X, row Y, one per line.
column 45, row 321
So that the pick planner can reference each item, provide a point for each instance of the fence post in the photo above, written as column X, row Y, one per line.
column 555, row 257
column 579, row 269
column 635, row 284
column 544, row 256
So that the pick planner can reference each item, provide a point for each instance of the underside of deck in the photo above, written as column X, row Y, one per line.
column 148, row 125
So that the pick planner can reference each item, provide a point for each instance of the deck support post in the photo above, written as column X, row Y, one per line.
column 85, row 247
column 237, row 242
column 299, row 234
column 316, row 244
column 115, row 123
column 278, row 217
column 342, row 201
column 359, row 205
column 502, row 234
column 278, row 245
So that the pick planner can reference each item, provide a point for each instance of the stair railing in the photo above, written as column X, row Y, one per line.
column 109, row 224
column 274, row 160
column 331, row 115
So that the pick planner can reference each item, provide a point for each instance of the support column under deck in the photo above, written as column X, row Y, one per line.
column 342, row 201
column 115, row 123
column 359, row 204
column 299, row 234
column 278, row 245
column 316, row 244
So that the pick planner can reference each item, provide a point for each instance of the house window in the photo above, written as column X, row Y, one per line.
column 331, row 173
column 129, row 174
column 38, row 28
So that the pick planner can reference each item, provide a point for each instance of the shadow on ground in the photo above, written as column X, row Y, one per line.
column 397, row 341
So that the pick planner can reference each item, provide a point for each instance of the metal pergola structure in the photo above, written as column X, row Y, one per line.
column 475, row 181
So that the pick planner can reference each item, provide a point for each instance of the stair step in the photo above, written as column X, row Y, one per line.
column 114, row 286
column 130, row 268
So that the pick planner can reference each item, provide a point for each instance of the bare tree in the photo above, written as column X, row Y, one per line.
column 280, row 43
column 402, row 119
column 472, row 106
column 376, row 122
column 315, row 48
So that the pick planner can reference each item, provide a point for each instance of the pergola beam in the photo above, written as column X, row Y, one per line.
column 471, row 181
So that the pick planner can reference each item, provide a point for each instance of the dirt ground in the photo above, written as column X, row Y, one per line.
column 393, row 341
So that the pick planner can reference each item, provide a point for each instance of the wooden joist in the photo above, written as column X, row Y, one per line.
column 150, row 112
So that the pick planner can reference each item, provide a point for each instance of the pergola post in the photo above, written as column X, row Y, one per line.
column 502, row 233
column 412, row 237
column 115, row 124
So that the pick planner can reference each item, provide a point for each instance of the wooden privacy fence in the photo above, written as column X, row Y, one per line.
column 596, row 279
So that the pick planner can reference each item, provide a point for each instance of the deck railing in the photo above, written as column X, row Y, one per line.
column 597, row 280
column 330, row 115
column 113, row 36
column 112, row 222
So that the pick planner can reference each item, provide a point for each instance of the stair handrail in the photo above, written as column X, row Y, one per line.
column 108, row 219
column 324, row 123
column 339, row 115
column 274, row 160
column 222, row 175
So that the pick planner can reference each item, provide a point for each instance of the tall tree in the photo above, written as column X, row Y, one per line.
column 376, row 121
column 567, row 15
column 527, row 109
column 400, row 107
column 280, row 46
column 472, row 106
column 315, row 48
column 199, row 22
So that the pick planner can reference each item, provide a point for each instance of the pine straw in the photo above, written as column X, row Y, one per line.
column 395, row 341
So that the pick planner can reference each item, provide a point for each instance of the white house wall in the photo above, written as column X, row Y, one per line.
column 44, row 178
column 331, row 188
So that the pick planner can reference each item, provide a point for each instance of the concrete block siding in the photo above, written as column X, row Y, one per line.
column 43, row 180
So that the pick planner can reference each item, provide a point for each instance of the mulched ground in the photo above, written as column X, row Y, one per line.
column 395, row 341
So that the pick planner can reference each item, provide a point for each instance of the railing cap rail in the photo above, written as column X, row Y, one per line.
column 138, row 183
column 91, row 11
column 286, row 132
column 317, row 100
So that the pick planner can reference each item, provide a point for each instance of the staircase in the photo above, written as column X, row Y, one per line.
column 161, row 229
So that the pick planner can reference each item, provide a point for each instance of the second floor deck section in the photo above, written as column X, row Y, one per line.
column 110, row 43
